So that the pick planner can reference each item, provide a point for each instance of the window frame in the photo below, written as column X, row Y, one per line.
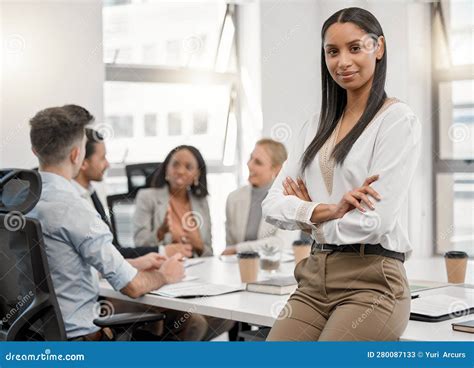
column 440, row 165
column 115, row 72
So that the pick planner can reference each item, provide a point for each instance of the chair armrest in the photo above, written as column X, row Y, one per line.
column 123, row 319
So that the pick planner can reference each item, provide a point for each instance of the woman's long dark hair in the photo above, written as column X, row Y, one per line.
column 199, row 190
column 334, row 97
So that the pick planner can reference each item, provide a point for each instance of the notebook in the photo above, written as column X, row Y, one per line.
column 276, row 285
column 466, row 326
column 440, row 307
column 192, row 289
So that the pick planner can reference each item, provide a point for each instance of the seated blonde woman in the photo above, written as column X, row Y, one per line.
column 175, row 213
column 246, row 230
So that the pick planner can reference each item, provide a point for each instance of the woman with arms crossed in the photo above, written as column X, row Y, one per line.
column 346, row 182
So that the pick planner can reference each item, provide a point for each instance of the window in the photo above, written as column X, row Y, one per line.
column 459, row 18
column 200, row 122
column 174, row 123
column 456, row 123
column 150, row 125
column 172, row 34
column 455, row 209
column 171, row 70
column 453, row 115
column 122, row 125
column 175, row 105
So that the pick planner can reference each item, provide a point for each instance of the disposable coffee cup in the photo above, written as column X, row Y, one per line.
column 248, row 265
column 301, row 250
column 456, row 264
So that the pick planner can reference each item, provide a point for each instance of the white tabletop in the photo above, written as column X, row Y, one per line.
column 262, row 309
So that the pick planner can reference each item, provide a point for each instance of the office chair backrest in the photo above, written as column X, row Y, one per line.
column 122, row 206
column 121, row 209
column 28, row 303
column 140, row 176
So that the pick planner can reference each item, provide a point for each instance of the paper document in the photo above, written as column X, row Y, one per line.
column 192, row 262
column 190, row 278
column 195, row 289
column 440, row 304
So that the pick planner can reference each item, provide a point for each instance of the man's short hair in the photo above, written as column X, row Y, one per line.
column 93, row 137
column 78, row 113
column 53, row 134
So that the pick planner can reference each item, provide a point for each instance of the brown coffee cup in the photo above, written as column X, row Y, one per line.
column 301, row 250
column 248, row 265
column 456, row 264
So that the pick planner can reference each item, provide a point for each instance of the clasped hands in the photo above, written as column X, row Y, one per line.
column 187, row 242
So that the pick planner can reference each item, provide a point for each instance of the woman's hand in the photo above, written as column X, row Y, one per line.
column 185, row 249
column 356, row 197
column 326, row 212
column 165, row 226
column 298, row 189
column 229, row 250
column 322, row 212
column 193, row 237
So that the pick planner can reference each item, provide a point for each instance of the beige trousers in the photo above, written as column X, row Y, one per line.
column 345, row 297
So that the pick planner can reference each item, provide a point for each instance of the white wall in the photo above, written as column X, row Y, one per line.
column 290, row 65
column 290, row 78
column 51, row 55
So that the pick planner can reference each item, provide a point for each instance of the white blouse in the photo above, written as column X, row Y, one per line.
column 389, row 146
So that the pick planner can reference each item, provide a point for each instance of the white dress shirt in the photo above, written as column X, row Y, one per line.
column 390, row 147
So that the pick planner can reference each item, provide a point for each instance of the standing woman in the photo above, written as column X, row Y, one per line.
column 175, row 213
column 346, row 181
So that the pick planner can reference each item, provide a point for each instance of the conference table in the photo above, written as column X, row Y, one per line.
column 263, row 309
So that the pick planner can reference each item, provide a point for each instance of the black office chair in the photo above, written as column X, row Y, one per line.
column 27, row 297
column 140, row 176
column 121, row 207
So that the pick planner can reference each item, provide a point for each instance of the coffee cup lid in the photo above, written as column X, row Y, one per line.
column 247, row 255
column 456, row 254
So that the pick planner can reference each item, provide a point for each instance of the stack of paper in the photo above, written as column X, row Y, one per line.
column 195, row 289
